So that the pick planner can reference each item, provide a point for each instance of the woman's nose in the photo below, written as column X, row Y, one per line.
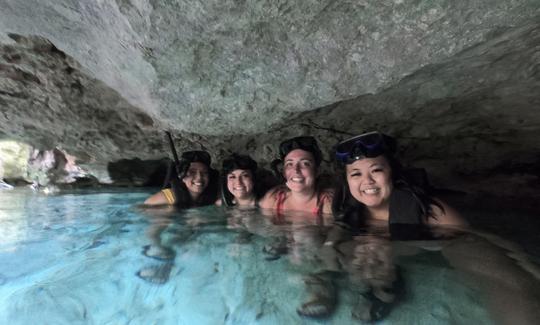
column 368, row 179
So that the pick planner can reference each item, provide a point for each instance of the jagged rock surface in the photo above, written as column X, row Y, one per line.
column 457, row 82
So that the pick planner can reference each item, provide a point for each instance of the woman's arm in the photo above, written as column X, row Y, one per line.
column 446, row 216
column 269, row 200
column 158, row 198
column 327, row 197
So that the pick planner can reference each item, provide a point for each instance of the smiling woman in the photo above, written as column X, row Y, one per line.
column 375, row 188
column 301, row 158
column 196, row 186
column 238, row 181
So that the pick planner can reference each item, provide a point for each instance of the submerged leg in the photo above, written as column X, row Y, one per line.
column 322, row 296
column 275, row 249
column 158, row 252
column 156, row 274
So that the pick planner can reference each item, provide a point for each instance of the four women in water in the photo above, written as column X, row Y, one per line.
column 372, row 189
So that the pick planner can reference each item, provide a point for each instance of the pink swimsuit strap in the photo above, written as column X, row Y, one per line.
column 317, row 211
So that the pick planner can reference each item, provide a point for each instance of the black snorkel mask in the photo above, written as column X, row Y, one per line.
column 197, row 156
column 306, row 143
column 230, row 164
column 189, row 157
column 238, row 162
column 367, row 145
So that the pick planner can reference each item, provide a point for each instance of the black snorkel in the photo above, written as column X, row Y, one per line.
column 175, row 154
column 176, row 161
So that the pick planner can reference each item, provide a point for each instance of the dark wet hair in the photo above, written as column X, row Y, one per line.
column 182, row 196
column 306, row 143
column 234, row 162
column 347, row 209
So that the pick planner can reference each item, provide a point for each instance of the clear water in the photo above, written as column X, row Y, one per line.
column 73, row 259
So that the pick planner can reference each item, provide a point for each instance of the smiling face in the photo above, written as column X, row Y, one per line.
column 370, row 181
column 196, row 179
column 240, row 183
column 299, row 171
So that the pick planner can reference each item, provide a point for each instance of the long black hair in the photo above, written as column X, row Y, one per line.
column 183, row 198
column 350, row 211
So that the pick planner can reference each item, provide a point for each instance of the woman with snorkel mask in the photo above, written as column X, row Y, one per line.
column 196, row 186
column 377, row 203
column 238, row 185
column 375, row 189
column 305, row 208
column 374, row 203
column 301, row 158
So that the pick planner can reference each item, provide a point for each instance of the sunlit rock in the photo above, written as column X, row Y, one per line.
column 13, row 159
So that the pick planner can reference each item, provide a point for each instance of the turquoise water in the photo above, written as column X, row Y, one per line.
column 73, row 259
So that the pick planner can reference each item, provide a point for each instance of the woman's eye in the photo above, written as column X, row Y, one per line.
column 376, row 170
column 356, row 174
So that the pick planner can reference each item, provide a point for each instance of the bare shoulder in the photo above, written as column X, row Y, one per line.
column 158, row 198
column 218, row 202
column 269, row 200
column 447, row 216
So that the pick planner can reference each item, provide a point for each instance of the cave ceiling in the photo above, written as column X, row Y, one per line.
column 457, row 82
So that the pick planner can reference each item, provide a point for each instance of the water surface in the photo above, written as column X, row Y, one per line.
column 73, row 258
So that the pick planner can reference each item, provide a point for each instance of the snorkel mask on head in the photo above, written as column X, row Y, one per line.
column 197, row 156
column 306, row 143
column 230, row 164
column 238, row 162
column 189, row 157
column 367, row 145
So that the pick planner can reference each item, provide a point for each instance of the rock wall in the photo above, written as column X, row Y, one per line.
column 456, row 81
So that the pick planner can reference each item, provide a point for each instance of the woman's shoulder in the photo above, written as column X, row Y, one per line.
column 163, row 197
column 269, row 200
column 444, row 215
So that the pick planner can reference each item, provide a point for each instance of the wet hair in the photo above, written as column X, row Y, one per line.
column 232, row 163
column 306, row 143
column 347, row 209
column 183, row 198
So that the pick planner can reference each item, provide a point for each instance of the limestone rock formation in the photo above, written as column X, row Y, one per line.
column 457, row 82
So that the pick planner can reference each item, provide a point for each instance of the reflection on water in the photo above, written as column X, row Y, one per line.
column 85, row 258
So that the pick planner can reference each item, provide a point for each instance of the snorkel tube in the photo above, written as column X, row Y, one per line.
column 176, row 162
column 175, row 155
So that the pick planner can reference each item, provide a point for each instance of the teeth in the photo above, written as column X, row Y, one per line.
column 297, row 179
column 371, row 191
